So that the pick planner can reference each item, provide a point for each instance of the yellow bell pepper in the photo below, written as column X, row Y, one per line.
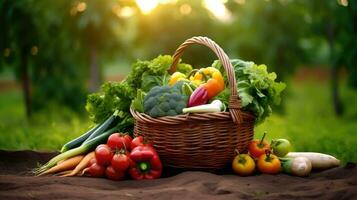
column 196, row 79
column 215, row 84
column 175, row 77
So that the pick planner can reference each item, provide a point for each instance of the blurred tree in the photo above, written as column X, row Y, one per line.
column 94, row 24
column 40, row 44
column 268, row 32
column 18, row 39
column 335, row 22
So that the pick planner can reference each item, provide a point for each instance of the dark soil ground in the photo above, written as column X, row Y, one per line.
column 17, row 182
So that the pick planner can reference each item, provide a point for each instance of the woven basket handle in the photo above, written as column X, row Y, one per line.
column 234, row 103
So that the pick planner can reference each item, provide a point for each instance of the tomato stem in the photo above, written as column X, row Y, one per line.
column 261, row 141
column 268, row 152
column 241, row 159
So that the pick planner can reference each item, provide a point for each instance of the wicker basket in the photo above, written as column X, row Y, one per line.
column 199, row 141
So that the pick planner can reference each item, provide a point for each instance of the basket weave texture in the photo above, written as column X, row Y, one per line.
column 205, row 141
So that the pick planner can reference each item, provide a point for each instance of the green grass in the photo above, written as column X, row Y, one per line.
column 308, row 122
column 45, row 131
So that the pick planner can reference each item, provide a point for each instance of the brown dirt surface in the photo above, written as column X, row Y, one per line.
column 16, row 182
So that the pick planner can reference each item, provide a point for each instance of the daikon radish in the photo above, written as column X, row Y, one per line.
column 319, row 161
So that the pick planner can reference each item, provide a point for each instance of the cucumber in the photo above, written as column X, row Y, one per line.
column 103, row 127
column 78, row 141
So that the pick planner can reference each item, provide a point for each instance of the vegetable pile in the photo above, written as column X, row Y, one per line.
column 119, row 157
column 257, row 90
column 276, row 157
column 149, row 88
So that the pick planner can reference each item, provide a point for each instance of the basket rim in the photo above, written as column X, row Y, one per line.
column 184, row 118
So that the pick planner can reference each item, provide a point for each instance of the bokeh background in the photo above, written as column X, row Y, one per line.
column 54, row 53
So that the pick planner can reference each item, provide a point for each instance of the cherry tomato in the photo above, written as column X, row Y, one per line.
column 96, row 170
column 114, row 175
column 103, row 155
column 91, row 162
column 120, row 162
column 118, row 141
column 138, row 141
column 257, row 148
column 269, row 164
column 243, row 165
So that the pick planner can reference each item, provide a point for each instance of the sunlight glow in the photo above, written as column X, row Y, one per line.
column 81, row 6
column 146, row 6
column 127, row 12
column 167, row 1
column 218, row 9
column 124, row 12
column 241, row 2
column 343, row 2
column 185, row 9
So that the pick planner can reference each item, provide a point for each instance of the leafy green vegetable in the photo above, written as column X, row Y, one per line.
column 138, row 102
column 257, row 88
column 165, row 101
column 131, row 91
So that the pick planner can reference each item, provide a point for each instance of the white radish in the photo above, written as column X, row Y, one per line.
column 298, row 166
column 215, row 106
column 319, row 161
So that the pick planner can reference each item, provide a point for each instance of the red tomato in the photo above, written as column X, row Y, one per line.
column 138, row 141
column 96, row 170
column 91, row 162
column 118, row 141
column 103, row 155
column 257, row 148
column 120, row 162
column 114, row 175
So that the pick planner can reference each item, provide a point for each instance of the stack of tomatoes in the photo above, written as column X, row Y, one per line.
column 123, row 154
column 261, row 157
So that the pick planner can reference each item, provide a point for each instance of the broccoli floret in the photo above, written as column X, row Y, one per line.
column 172, row 113
column 165, row 101
column 150, row 103
column 165, row 106
column 180, row 106
column 154, row 112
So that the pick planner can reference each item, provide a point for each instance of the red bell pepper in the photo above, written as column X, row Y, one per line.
column 145, row 163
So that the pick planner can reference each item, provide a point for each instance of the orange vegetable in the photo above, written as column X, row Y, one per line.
column 68, row 164
column 243, row 164
column 83, row 164
column 215, row 84
column 269, row 163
